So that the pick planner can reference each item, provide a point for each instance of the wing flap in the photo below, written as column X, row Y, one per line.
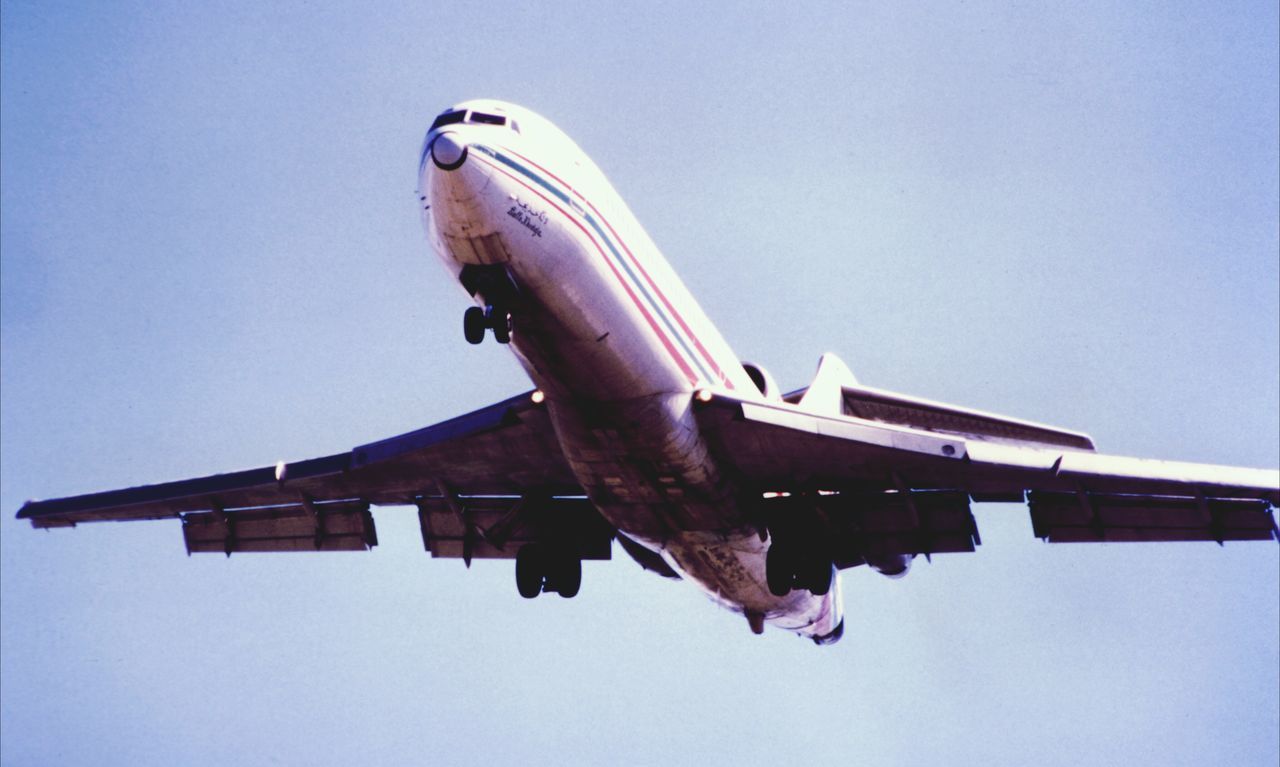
column 862, row 526
column 314, row 527
column 1092, row 517
column 488, row 527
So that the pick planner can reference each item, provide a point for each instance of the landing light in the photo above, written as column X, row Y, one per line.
column 704, row 395
column 538, row 397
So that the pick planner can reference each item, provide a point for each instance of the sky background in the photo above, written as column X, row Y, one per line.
column 211, row 259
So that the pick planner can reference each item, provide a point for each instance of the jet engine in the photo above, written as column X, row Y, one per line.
column 763, row 381
column 890, row 565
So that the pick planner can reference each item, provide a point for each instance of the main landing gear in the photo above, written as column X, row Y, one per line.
column 475, row 321
column 543, row 569
column 790, row 564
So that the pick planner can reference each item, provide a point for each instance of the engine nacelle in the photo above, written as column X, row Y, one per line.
column 763, row 381
column 890, row 565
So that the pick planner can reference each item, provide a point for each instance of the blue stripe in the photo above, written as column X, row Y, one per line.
column 613, row 249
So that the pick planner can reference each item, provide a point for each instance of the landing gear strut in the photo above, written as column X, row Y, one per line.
column 500, row 321
column 492, row 284
column 541, row 569
column 475, row 321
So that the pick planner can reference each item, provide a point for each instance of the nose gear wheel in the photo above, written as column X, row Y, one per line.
column 475, row 321
column 473, row 324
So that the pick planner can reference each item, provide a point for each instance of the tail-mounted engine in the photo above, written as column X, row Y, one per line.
column 763, row 381
column 890, row 565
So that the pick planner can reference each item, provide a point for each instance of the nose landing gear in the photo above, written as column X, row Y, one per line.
column 493, row 285
column 500, row 321
column 474, row 324
column 475, row 321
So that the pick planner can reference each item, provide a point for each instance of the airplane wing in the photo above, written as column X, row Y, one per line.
column 891, row 474
column 483, row 483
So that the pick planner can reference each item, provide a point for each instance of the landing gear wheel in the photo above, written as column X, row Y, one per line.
column 818, row 575
column 569, row 577
column 529, row 571
column 779, row 569
column 500, row 321
column 502, row 330
column 474, row 324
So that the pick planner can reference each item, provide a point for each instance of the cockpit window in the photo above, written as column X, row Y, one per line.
column 475, row 118
column 448, row 118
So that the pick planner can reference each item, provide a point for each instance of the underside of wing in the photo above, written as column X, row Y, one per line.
column 889, row 476
column 483, row 483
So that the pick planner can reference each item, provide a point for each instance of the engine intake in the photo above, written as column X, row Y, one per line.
column 763, row 381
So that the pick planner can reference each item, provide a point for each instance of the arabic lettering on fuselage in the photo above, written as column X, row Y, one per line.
column 533, row 220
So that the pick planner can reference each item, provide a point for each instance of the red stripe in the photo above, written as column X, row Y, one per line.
column 666, row 342
column 701, row 349
column 705, row 354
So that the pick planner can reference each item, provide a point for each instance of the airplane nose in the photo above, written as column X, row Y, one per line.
column 457, row 189
column 448, row 151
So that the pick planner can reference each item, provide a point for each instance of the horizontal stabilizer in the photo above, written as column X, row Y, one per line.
column 900, row 409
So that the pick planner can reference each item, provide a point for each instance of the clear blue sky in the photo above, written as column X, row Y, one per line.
column 211, row 260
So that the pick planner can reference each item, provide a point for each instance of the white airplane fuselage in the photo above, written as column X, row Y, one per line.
column 611, row 336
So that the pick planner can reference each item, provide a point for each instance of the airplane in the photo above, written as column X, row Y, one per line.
column 644, row 428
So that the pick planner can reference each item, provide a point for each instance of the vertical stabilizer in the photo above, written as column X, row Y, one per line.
column 825, row 396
